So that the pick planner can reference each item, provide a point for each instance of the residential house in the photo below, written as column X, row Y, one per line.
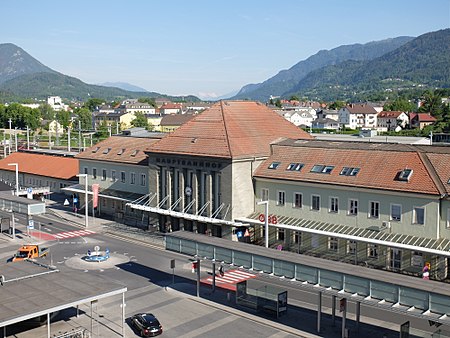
column 171, row 122
column 357, row 116
column 390, row 120
column 421, row 120
column 171, row 108
column 56, row 103
column 325, row 123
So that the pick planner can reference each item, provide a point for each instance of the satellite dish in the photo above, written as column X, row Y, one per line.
column 397, row 129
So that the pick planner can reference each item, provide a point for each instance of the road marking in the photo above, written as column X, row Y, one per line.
column 71, row 234
column 209, row 327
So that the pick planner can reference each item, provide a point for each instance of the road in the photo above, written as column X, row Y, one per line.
column 147, row 274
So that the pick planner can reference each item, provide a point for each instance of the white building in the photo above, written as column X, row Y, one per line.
column 356, row 116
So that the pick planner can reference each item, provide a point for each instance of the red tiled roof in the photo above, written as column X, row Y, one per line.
column 387, row 114
column 229, row 129
column 65, row 168
column 122, row 149
column 422, row 117
column 378, row 168
column 442, row 166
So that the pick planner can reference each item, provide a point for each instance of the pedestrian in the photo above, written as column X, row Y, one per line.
column 221, row 272
column 426, row 272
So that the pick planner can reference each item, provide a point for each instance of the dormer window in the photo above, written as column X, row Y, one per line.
column 295, row 166
column 106, row 151
column 405, row 175
column 274, row 165
column 134, row 153
column 349, row 171
column 121, row 151
column 95, row 149
column 322, row 169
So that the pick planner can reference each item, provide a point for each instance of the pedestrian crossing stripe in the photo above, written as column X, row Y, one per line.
column 230, row 277
column 70, row 234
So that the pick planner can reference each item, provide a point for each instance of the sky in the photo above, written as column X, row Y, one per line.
column 207, row 48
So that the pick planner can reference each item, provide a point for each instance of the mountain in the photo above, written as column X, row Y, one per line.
column 14, row 62
column 420, row 63
column 124, row 86
column 23, row 77
column 286, row 80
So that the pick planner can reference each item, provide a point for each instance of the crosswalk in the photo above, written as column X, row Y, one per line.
column 229, row 279
column 72, row 234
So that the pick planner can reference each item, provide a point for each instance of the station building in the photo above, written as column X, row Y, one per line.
column 200, row 175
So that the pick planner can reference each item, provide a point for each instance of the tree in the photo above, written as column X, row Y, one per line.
column 47, row 112
column 337, row 105
column 148, row 100
column 294, row 98
column 93, row 103
column 278, row 103
column 84, row 116
column 139, row 120
column 63, row 117
column 399, row 104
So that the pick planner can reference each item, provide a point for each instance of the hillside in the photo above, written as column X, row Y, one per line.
column 422, row 62
column 14, row 62
column 286, row 80
column 24, row 77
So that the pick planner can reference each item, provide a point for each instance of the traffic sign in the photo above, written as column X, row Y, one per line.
column 29, row 190
column 30, row 224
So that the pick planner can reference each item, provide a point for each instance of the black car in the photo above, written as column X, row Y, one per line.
column 146, row 324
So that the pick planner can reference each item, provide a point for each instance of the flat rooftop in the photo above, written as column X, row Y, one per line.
column 31, row 290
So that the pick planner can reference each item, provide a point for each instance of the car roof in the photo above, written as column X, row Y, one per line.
column 148, row 317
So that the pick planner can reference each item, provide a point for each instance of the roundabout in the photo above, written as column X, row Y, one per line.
column 96, row 260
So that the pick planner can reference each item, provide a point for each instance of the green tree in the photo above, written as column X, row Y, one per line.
column 399, row 104
column 337, row 105
column 278, row 103
column 63, row 117
column 84, row 116
column 93, row 103
column 47, row 112
column 140, row 120
column 32, row 118
column 294, row 98
column 149, row 100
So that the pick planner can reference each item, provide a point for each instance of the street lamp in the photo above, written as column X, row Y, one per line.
column 86, row 204
column 266, row 220
column 17, row 176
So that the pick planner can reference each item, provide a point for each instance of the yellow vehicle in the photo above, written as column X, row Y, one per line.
column 29, row 252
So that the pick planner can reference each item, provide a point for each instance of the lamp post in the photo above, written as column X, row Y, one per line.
column 10, row 132
column 266, row 220
column 17, row 176
column 86, row 204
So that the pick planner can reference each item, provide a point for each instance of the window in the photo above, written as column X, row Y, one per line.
column 298, row 200
column 280, row 234
column 315, row 202
column 134, row 153
column 405, row 175
column 349, row 171
column 353, row 207
column 113, row 176
column 94, row 173
column 334, row 204
column 374, row 209
column 416, row 259
column 103, row 174
column 132, row 178
column 94, row 150
column 106, row 151
column 418, row 215
column 322, row 169
column 395, row 259
column 333, row 244
column 85, row 170
column 121, row 151
column 396, row 212
column 122, row 177
column 281, row 198
column 143, row 180
column 264, row 194
column 295, row 166
column 448, row 218
column 297, row 237
column 372, row 250
column 274, row 165
column 351, row 247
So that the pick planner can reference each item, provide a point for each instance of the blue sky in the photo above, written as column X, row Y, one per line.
column 202, row 47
